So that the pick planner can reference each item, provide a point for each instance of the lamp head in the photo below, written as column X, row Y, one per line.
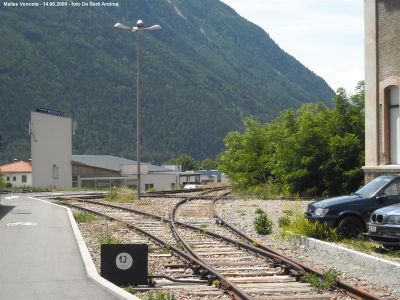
column 122, row 26
column 139, row 24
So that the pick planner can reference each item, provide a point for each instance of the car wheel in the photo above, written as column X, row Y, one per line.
column 350, row 227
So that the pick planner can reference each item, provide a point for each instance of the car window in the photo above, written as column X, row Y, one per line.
column 373, row 186
column 393, row 189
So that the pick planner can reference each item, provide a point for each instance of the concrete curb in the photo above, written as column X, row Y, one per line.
column 88, row 262
column 364, row 265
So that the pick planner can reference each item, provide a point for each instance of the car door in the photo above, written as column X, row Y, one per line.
column 390, row 195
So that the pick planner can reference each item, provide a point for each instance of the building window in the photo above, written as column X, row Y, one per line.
column 23, row 178
column 14, row 178
column 148, row 186
column 55, row 172
column 8, row 178
column 394, row 118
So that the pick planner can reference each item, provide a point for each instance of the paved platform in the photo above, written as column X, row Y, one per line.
column 39, row 255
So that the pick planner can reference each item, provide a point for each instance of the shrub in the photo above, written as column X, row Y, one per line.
column 263, row 224
column 327, row 282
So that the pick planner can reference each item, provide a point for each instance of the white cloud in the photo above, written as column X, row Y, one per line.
column 323, row 35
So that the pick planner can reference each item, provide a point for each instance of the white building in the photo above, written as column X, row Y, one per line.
column 18, row 173
column 51, row 149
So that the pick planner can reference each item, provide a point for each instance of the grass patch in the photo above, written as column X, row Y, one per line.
column 372, row 248
column 301, row 226
column 265, row 191
column 259, row 211
column 61, row 202
column 327, row 282
column 121, row 196
column 144, row 202
column 130, row 289
column 85, row 217
column 360, row 245
column 216, row 283
column 109, row 239
column 262, row 223
column 160, row 295
column 286, row 219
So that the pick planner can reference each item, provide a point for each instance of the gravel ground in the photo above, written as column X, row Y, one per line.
column 241, row 214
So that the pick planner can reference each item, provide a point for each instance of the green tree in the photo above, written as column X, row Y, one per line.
column 243, row 157
column 209, row 164
column 315, row 150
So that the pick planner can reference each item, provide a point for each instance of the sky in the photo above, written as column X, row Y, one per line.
column 327, row 36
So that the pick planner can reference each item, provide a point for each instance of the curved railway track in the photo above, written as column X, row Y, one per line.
column 221, row 255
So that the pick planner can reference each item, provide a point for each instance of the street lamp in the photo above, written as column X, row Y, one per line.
column 139, row 27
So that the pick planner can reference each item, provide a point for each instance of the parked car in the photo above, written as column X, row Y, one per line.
column 350, row 214
column 384, row 226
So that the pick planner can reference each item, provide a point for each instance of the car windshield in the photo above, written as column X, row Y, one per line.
column 373, row 186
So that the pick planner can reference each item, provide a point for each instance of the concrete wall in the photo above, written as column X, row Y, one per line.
column 9, row 177
column 51, row 149
column 388, row 38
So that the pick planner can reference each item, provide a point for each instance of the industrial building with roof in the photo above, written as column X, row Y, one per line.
column 106, row 171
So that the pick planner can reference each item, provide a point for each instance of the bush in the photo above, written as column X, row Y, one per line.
column 327, row 282
column 263, row 224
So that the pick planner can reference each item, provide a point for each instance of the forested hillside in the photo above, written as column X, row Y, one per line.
column 205, row 71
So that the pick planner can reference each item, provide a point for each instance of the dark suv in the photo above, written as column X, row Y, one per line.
column 351, row 213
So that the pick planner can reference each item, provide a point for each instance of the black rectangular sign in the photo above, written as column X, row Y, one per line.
column 125, row 264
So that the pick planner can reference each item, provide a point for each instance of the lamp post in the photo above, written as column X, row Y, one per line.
column 139, row 27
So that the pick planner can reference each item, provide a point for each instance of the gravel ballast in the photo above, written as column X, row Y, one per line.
column 241, row 213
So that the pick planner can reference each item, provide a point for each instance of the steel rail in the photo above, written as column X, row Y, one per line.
column 197, row 265
column 226, row 283
column 277, row 257
column 192, row 258
column 358, row 292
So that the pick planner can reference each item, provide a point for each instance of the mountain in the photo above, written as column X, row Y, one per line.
column 201, row 75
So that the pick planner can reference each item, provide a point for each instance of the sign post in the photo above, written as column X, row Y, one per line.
column 125, row 264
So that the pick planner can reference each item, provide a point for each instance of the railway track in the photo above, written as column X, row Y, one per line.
column 216, row 254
